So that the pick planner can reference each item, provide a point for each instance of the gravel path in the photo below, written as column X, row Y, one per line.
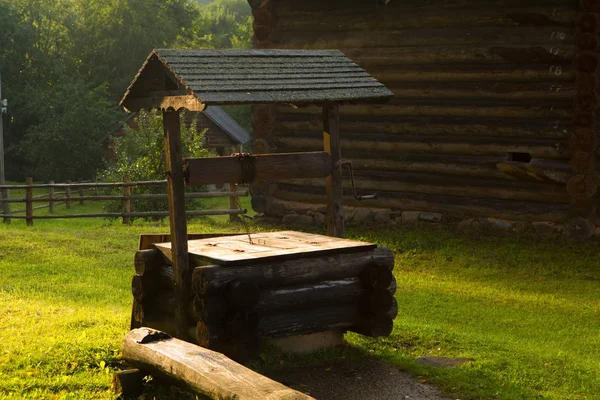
column 362, row 379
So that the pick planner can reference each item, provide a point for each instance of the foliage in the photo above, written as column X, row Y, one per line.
column 88, row 51
column 68, row 138
column 140, row 155
column 221, row 24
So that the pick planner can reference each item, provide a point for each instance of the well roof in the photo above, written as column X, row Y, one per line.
column 217, row 77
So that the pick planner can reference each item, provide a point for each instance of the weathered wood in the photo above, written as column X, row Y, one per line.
column 385, row 181
column 137, row 314
column 126, row 203
column 212, row 279
column 376, row 276
column 332, row 145
column 128, row 384
column 503, row 209
column 147, row 241
column 29, row 197
column 202, row 370
column 177, row 217
column 267, row 167
column 211, row 335
column 51, row 201
column 189, row 102
column 148, row 261
column 375, row 326
column 318, row 320
column 243, row 294
column 263, row 247
column 68, row 194
column 544, row 149
column 297, row 297
column 314, row 295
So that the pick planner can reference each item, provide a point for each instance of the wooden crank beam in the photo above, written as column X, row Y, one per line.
column 266, row 168
column 202, row 370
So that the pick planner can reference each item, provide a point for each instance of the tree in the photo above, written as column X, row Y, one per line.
column 66, row 141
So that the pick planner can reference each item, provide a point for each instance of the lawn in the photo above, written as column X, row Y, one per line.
column 526, row 311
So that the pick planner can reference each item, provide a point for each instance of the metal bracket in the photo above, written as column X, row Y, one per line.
column 357, row 197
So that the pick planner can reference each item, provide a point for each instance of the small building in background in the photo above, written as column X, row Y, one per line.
column 223, row 135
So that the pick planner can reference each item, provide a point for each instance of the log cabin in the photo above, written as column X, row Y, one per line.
column 494, row 115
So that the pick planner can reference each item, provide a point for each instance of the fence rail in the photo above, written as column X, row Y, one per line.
column 66, row 197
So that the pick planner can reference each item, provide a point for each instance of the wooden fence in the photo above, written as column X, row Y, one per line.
column 67, row 193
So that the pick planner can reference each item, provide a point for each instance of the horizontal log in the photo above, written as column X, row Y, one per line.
column 296, row 297
column 148, row 261
column 205, row 371
column 407, row 9
column 212, row 279
column 375, row 326
column 316, row 320
column 357, row 18
column 545, row 149
column 401, row 107
column 503, row 209
column 137, row 214
column 355, row 125
column 491, row 36
column 86, row 185
column 271, row 167
column 199, row 195
column 380, row 181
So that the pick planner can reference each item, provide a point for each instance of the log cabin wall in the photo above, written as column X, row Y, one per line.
column 480, row 86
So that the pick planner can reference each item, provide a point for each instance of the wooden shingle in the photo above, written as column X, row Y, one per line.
column 215, row 77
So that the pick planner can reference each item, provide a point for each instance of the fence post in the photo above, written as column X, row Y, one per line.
column 5, row 195
column 81, row 191
column 29, row 202
column 233, row 202
column 68, row 195
column 126, row 203
column 51, row 196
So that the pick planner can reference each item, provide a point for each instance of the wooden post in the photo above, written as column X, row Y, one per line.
column 51, row 197
column 81, row 191
column 233, row 203
column 177, row 219
column 5, row 194
column 126, row 203
column 68, row 195
column 29, row 202
column 332, row 145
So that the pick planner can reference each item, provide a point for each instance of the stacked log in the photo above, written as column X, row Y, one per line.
column 475, row 88
column 233, row 307
column 585, row 163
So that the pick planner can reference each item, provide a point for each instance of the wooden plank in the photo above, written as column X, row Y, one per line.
column 332, row 145
column 267, row 168
column 236, row 250
column 177, row 217
column 148, row 239
column 205, row 371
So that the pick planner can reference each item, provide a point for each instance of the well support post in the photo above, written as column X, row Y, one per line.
column 332, row 145
column 177, row 217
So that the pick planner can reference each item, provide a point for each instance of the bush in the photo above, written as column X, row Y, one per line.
column 140, row 156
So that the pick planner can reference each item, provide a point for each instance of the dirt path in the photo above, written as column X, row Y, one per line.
column 355, row 379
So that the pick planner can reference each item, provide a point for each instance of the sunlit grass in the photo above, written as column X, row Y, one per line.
column 526, row 311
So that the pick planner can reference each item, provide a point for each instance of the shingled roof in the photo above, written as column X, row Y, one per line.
column 216, row 77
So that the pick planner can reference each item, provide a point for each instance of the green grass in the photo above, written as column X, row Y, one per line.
column 526, row 311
